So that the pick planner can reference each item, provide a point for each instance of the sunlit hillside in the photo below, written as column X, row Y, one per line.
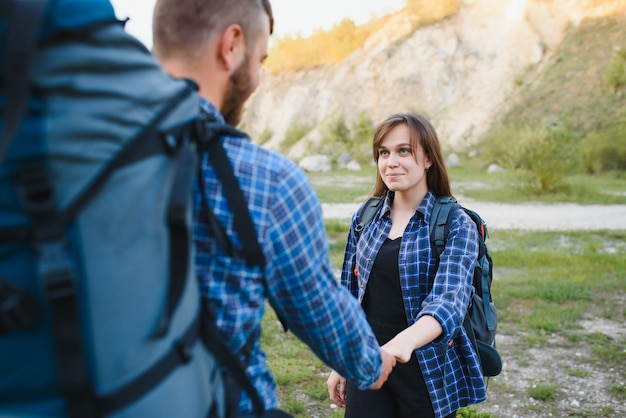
column 478, row 69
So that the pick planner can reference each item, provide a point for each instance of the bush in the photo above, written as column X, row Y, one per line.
column 605, row 150
column 615, row 73
column 362, row 134
column 544, row 157
column 295, row 132
column 335, row 137
column 471, row 412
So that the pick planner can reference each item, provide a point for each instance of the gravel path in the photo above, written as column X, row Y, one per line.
column 526, row 216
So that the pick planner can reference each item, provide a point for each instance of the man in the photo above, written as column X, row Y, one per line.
column 221, row 45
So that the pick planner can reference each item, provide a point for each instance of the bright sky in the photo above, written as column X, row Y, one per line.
column 291, row 16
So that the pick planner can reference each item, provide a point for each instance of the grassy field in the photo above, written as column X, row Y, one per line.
column 545, row 285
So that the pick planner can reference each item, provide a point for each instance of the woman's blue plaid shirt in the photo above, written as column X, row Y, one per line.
column 452, row 372
column 297, row 279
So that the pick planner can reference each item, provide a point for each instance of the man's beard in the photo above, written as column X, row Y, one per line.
column 239, row 89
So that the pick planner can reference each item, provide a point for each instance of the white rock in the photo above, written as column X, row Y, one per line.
column 315, row 163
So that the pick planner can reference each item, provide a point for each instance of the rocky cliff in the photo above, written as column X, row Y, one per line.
column 461, row 72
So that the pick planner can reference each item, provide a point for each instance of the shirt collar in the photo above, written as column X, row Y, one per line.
column 211, row 109
column 424, row 208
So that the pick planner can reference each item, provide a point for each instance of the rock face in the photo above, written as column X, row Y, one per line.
column 460, row 72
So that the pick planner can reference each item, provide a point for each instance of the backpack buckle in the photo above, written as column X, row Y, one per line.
column 34, row 191
column 55, row 270
column 18, row 308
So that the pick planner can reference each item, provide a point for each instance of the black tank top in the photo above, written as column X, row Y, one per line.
column 383, row 297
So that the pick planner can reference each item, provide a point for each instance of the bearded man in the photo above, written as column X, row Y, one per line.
column 221, row 45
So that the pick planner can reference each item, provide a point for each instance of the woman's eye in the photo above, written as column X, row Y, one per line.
column 383, row 153
column 405, row 151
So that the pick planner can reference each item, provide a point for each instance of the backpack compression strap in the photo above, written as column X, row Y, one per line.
column 59, row 287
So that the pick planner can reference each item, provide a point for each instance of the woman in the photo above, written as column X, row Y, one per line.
column 415, row 305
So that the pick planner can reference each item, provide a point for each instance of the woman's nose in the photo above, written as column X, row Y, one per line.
column 393, row 160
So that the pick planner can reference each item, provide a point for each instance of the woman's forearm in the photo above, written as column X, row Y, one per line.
column 425, row 330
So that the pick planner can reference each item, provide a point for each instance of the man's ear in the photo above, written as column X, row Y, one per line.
column 232, row 48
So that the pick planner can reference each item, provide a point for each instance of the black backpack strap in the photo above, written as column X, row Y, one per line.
column 209, row 141
column 440, row 215
column 209, row 135
column 20, row 49
column 59, row 286
column 179, row 354
column 368, row 213
column 214, row 342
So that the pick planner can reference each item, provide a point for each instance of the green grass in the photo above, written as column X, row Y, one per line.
column 543, row 392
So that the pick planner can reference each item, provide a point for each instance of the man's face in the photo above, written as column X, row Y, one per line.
column 245, row 79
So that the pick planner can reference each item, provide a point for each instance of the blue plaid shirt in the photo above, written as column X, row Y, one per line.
column 297, row 279
column 452, row 372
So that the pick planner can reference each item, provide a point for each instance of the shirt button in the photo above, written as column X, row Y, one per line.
column 361, row 285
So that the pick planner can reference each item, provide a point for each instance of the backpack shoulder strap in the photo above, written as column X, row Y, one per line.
column 209, row 138
column 440, row 217
column 367, row 213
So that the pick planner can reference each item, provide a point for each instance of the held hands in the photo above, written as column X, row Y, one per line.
column 336, row 389
column 389, row 362
column 336, row 384
column 422, row 332
column 400, row 347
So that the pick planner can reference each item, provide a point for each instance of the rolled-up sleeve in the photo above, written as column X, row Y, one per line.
column 304, row 292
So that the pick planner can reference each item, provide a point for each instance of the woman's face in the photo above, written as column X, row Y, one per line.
column 400, row 169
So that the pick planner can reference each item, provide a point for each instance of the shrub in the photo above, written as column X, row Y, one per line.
column 295, row 132
column 544, row 156
column 605, row 150
column 615, row 73
column 362, row 134
column 335, row 137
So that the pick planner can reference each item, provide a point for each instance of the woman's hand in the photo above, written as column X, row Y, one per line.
column 425, row 330
column 336, row 389
column 401, row 347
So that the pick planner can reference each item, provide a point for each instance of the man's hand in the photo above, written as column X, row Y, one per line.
column 389, row 362
column 336, row 389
